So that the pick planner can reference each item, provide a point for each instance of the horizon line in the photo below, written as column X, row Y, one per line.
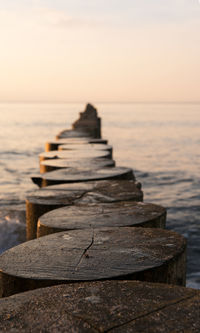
column 100, row 102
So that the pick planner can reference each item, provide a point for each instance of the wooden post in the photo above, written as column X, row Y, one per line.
column 53, row 145
column 78, row 175
column 117, row 214
column 103, row 306
column 144, row 254
column 48, row 198
column 59, row 163
column 89, row 154
column 70, row 133
column 86, row 148
column 89, row 122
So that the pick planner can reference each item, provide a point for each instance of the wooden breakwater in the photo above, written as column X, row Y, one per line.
column 87, row 226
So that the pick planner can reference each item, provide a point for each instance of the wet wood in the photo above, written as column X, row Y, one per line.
column 69, row 154
column 117, row 306
column 71, row 175
column 118, row 214
column 145, row 254
column 48, row 198
column 94, row 164
column 53, row 145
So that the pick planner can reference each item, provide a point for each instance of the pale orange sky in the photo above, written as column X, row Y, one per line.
column 100, row 50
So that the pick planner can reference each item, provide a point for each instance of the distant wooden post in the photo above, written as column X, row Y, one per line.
column 53, row 145
column 89, row 122
column 76, row 148
column 74, row 175
column 86, row 164
column 69, row 133
column 89, row 154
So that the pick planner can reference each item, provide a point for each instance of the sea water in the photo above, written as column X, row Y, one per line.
column 159, row 141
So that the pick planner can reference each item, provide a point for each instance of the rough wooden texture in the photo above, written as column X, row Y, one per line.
column 89, row 122
column 59, row 163
column 78, row 175
column 48, row 198
column 118, row 214
column 117, row 306
column 70, row 133
column 93, row 191
column 146, row 254
column 80, row 154
column 53, row 145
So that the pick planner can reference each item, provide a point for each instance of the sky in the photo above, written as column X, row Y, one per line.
column 100, row 50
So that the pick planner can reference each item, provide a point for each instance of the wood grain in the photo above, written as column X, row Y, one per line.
column 145, row 254
column 116, row 306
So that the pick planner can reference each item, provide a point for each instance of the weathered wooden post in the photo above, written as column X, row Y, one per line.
column 53, row 145
column 75, row 175
column 48, row 198
column 103, row 306
column 89, row 122
column 85, row 163
column 91, row 215
column 128, row 253
column 76, row 148
column 88, row 125
column 89, row 154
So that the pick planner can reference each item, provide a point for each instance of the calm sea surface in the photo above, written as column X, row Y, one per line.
column 159, row 141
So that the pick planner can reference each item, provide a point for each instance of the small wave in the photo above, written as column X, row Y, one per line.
column 23, row 153
column 172, row 181
column 12, row 229
column 141, row 174
column 9, row 152
column 10, row 170
column 193, row 280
